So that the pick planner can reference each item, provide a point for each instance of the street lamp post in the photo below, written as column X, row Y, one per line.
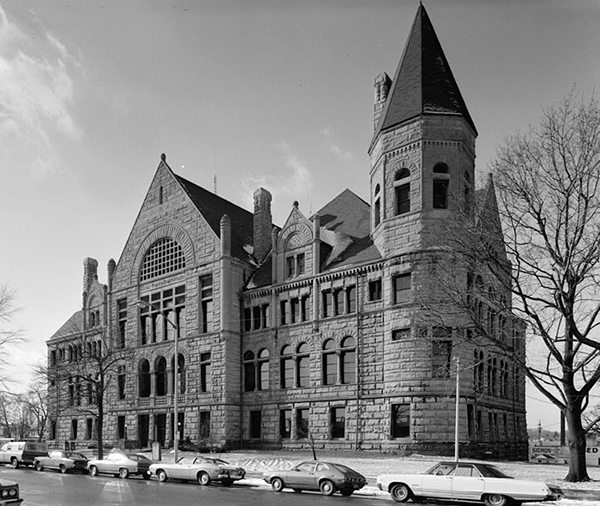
column 175, row 375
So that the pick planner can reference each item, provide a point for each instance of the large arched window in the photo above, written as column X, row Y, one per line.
column 181, row 377
column 348, row 360
column 263, row 369
column 303, row 365
column 144, row 378
column 249, row 372
column 329, row 362
column 287, row 367
column 163, row 257
column 160, row 368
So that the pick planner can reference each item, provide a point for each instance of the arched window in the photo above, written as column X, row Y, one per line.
column 329, row 362
column 401, row 174
column 303, row 365
column 263, row 369
column 440, row 186
column 287, row 367
column 348, row 360
column 163, row 257
column 160, row 368
column 181, row 377
column 249, row 372
column 377, row 209
column 402, row 191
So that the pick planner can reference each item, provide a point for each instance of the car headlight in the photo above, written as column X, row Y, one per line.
column 13, row 492
column 5, row 493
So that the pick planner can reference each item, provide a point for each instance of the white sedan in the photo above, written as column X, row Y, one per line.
column 467, row 481
column 203, row 469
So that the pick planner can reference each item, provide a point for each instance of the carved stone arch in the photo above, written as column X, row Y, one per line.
column 178, row 234
column 295, row 236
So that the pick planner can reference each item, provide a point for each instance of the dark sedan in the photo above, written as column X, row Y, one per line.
column 9, row 493
column 326, row 477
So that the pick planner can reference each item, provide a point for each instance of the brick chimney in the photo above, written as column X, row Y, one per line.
column 382, row 86
column 263, row 223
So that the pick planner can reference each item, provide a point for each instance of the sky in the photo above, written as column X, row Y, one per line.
column 238, row 95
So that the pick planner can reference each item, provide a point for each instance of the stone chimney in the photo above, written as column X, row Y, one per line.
column 110, row 268
column 382, row 85
column 90, row 273
column 263, row 223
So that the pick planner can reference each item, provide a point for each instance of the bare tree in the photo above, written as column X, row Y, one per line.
column 9, row 336
column 36, row 400
column 85, row 375
column 548, row 261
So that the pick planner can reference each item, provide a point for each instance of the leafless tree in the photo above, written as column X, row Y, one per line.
column 548, row 262
column 9, row 336
column 85, row 375
column 36, row 401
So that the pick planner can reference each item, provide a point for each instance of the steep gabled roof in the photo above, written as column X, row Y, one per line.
column 72, row 326
column 212, row 207
column 423, row 83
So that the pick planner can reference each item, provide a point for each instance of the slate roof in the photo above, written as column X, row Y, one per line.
column 72, row 326
column 212, row 207
column 423, row 83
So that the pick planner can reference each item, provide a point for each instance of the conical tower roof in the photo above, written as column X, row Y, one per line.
column 423, row 83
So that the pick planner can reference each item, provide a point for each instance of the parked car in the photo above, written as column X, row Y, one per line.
column 203, row 469
column 325, row 477
column 62, row 461
column 9, row 493
column 121, row 464
column 17, row 453
column 469, row 481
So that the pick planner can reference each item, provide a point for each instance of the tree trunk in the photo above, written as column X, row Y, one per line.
column 577, row 446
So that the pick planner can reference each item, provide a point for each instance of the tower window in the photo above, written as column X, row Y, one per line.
column 440, row 168
column 403, row 199
column 440, row 194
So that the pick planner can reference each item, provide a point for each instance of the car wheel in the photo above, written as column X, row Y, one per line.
column 93, row 471
column 227, row 483
column 277, row 484
column 123, row 473
column 400, row 492
column 203, row 478
column 161, row 475
column 326, row 487
column 39, row 466
column 346, row 493
column 62, row 468
column 496, row 500
column 14, row 463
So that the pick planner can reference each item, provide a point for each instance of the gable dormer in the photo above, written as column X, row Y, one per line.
column 294, row 258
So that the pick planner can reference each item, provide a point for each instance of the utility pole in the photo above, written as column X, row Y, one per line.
column 456, row 417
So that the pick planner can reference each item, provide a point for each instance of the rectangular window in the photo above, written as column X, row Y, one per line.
column 291, row 266
column 338, row 302
column 206, row 304
column 161, row 315
column 256, row 318
column 400, row 420
column 401, row 287
column 283, row 312
column 329, row 368
column 403, row 199
column 401, row 334
column 74, row 429
column 377, row 212
column 247, row 319
column 121, row 427
column 304, row 308
column 89, row 424
column 302, row 423
column 294, row 310
column 374, row 290
column 338, row 423
column 265, row 316
column 351, row 299
column 52, row 434
column 205, row 374
column 440, row 194
column 327, row 304
column 255, row 424
column 300, row 264
column 122, row 321
column 285, row 423
column 204, row 427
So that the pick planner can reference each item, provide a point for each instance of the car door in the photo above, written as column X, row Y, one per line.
column 302, row 476
column 467, row 483
column 184, row 468
column 53, row 460
column 439, row 482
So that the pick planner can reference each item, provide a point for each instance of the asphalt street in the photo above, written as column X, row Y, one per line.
column 49, row 488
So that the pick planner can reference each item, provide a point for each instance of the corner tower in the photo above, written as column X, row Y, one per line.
column 423, row 148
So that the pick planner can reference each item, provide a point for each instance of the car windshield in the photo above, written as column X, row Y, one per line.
column 186, row 461
column 342, row 468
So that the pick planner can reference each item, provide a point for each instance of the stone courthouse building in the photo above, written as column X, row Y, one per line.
column 313, row 330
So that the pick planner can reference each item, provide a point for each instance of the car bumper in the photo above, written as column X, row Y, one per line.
column 10, row 502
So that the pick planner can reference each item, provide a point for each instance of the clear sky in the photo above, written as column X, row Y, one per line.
column 276, row 94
